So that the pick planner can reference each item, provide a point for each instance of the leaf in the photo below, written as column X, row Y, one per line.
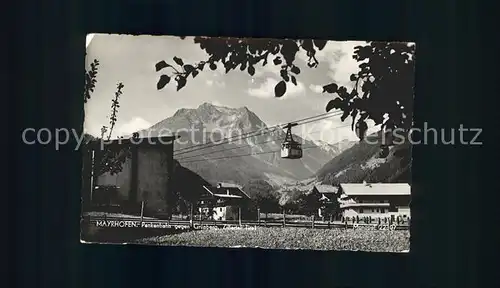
column 284, row 75
column 277, row 61
column 294, row 81
column 213, row 66
column 195, row 72
column 320, row 44
column 353, row 77
column 178, row 61
column 335, row 103
column 243, row 66
column 181, row 82
column 251, row 70
column 164, row 79
column 295, row 70
column 188, row 68
column 344, row 116
column 201, row 66
column 280, row 89
column 160, row 65
column 330, row 88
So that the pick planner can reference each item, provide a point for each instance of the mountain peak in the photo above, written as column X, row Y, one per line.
column 244, row 108
column 212, row 117
column 206, row 104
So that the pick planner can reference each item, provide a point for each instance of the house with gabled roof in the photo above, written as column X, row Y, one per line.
column 328, row 192
column 375, row 199
column 223, row 202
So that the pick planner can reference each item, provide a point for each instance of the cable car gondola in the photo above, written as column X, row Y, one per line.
column 290, row 149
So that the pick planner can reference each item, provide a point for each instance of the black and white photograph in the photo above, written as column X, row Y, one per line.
column 247, row 142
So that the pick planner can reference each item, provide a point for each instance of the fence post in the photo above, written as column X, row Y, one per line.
column 191, row 215
column 239, row 215
column 284, row 218
column 200, row 215
column 142, row 211
column 258, row 215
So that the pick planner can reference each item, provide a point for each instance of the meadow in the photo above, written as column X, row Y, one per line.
column 360, row 239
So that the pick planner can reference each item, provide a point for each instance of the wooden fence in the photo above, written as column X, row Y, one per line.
column 389, row 225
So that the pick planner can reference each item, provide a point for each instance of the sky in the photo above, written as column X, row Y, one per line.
column 131, row 60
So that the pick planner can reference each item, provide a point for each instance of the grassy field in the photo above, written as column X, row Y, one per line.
column 290, row 238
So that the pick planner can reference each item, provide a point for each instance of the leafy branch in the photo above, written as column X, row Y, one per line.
column 90, row 80
column 243, row 54
column 383, row 86
column 110, row 159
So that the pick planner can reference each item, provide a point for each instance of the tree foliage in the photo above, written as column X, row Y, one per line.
column 309, row 203
column 263, row 195
column 108, row 160
column 383, row 85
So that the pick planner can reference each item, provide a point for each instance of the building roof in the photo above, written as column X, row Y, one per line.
column 226, row 192
column 228, row 185
column 355, row 189
column 323, row 188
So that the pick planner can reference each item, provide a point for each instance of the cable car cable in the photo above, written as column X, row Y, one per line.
column 244, row 155
column 263, row 131
column 326, row 115
column 252, row 145
column 242, row 136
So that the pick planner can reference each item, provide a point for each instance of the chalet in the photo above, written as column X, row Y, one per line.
column 378, row 200
column 223, row 202
column 145, row 175
column 328, row 192
column 325, row 194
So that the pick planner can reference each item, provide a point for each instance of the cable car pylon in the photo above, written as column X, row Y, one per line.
column 290, row 149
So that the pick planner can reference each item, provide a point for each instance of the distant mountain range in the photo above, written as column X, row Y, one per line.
column 225, row 163
column 361, row 162
column 345, row 161
column 322, row 163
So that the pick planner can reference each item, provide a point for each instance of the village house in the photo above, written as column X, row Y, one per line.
column 327, row 194
column 223, row 202
column 376, row 200
column 145, row 175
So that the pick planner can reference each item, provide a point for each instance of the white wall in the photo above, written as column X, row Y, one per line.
column 367, row 213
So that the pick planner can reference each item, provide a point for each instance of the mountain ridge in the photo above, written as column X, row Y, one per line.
column 253, row 156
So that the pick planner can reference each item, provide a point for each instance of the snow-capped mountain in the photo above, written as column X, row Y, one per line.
column 335, row 148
